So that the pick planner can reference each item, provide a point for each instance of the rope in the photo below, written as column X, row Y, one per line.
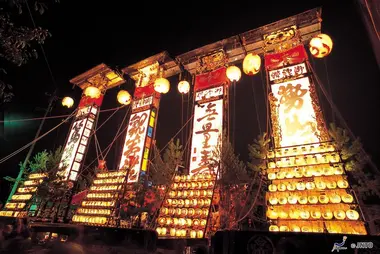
column 173, row 136
column 50, row 117
column 255, row 104
column 118, row 131
column 35, row 140
column 339, row 115
column 329, row 86
column 373, row 22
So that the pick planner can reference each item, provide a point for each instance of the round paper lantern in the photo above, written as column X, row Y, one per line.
column 272, row 187
column 300, row 186
column 273, row 228
column 162, row 85
column 183, row 87
column 283, row 215
column 343, row 184
column 177, row 179
column 340, row 215
column 280, row 175
column 281, row 187
column 321, row 185
column 338, row 171
column 233, row 73
column 315, row 214
column 291, row 186
column 283, row 200
column 335, row 199
column 92, row 92
column 273, row 201
column 298, row 173
column 124, row 98
column 302, row 200
column 310, row 185
column 323, row 199
column 331, row 185
column 158, row 231
column 67, row 102
column 347, row 198
column 305, row 229
column 321, row 45
column 328, row 171
column 163, row 231
column 304, row 215
column 296, row 228
column 251, row 64
column 294, row 214
column 199, row 234
column 193, row 234
column 284, row 228
column 272, row 176
column 292, row 200
column 289, row 174
column 352, row 214
column 272, row 214
column 327, row 215
column 312, row 199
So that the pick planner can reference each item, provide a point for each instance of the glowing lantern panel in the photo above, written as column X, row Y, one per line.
column 320, row 46
column 183, row 87
column 251, row 64
column 162, row 85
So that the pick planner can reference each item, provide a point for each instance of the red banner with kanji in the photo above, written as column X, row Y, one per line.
column 145, row 91
column 210, row 79
column 87, row 101
column 292, row 56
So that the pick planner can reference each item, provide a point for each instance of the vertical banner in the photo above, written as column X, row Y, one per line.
column 78, row 139
column 207, row 122
column 140, row 133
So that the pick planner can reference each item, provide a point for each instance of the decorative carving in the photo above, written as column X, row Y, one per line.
column 147, row 74
column 321, row 124
column 276, row 129
column 282, row 40
column 211, row 61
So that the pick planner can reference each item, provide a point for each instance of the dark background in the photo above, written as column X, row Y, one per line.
column 119, row 33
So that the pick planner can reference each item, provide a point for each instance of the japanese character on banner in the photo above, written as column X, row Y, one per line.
column 291, row 96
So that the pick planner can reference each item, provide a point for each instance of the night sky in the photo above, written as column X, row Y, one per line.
column 85, row 34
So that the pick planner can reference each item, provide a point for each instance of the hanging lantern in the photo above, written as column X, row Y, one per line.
column 273, row 228
column 92, row 92
column 272, row 176
column 183, row 87
column 321, row 45
column 340, row 215
column 284, row 228
column 327, row 215
column 162, row 85
column 251, row 64
column 124, row 98
column 312, row 199
column 67, row 102
column 296, row 228
column 273, row 201
column 233, row 73
column 343, row 184
column 347, row 198
column 193, row 234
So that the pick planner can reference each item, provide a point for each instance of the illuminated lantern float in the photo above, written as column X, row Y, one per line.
column 308, row 187
column 186, row 208
column 99, row 207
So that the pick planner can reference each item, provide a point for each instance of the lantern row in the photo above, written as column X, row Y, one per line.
column 320, row 46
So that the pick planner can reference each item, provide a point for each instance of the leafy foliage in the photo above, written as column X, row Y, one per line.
column 350, row 150
column 232, row 169
column 162, row 168
column 6, row 93
column 258, row 152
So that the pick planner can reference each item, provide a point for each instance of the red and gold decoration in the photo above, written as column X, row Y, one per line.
column 186, row 208
column 308, row 188
column 19, row 204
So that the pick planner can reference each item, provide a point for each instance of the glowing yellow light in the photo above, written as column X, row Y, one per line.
column 92, row 92
column 352, row 214
column 347, row 198
column 67, row 102
column 162, row 85
column 251, row 64
column 233, row 73
column 183, row 87
column 321, row 45
column 273, row 228
column 124, row 98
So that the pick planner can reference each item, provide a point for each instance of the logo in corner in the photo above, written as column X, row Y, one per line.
column 340, row 246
